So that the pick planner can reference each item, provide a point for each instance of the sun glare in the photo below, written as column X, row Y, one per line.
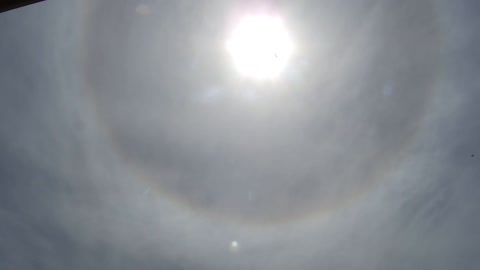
column 260, row 46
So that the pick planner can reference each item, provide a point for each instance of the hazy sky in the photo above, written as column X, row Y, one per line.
column 129, row 141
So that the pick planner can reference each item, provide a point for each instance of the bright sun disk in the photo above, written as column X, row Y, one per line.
column 260, row 46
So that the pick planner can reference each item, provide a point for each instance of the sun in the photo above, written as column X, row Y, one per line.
column 260, row 46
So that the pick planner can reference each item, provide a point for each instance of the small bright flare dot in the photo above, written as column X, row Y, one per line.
column 260, row 46
column 233, row 245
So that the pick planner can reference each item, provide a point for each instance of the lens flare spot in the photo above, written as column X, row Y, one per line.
column 234, row 246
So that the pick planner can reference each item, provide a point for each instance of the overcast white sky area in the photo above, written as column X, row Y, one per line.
column 168, row 135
